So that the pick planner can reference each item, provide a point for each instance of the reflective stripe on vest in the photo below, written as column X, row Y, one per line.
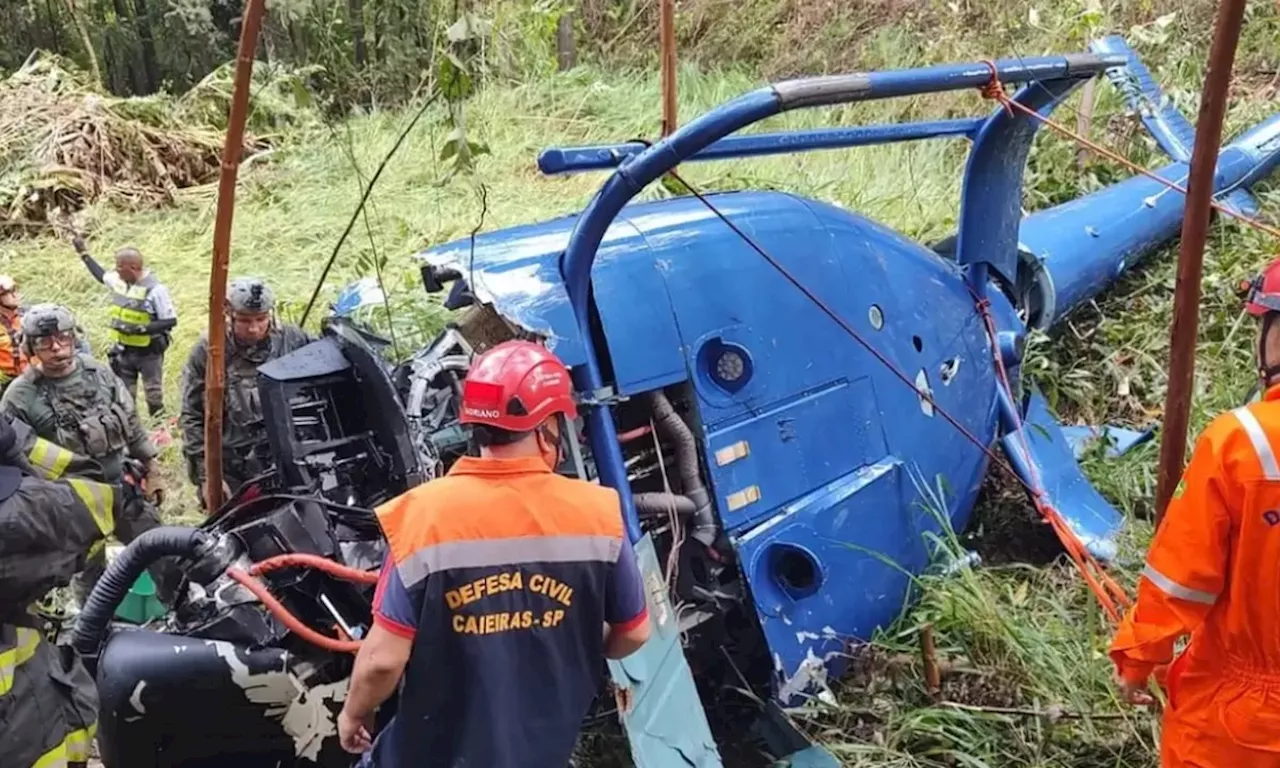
column 489, row 553
column 73, row 749
column 1261, row 445
column 130, row 309
column 49, row 459
column 19, row 654
column 100, row 499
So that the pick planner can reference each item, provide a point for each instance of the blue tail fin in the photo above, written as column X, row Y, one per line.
column 1171, row 129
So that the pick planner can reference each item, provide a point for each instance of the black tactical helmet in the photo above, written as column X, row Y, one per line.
column 45, row 320
column 250, row 294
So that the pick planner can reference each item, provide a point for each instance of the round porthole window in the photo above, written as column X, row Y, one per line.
column 876, row 317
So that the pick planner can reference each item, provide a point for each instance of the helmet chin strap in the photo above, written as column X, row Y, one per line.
column 544, row 433
column 1266, row 372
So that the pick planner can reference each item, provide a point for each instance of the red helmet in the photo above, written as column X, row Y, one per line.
column 516, row 386
column 1264, row 291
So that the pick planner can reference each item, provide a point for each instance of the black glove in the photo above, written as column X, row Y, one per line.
column 78, row 243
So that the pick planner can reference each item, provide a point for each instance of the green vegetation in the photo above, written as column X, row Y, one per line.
column 1026, row 639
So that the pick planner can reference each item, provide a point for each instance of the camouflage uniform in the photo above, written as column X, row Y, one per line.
column 88, row 412
column 48, row 701
column 245, row 453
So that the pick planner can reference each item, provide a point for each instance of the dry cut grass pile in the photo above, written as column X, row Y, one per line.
column 65, row 145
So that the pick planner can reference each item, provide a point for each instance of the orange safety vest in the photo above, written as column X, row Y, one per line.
column 1213, row 571
column 12, row 361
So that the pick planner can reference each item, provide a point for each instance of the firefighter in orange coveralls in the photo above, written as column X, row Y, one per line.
column 1213, row 571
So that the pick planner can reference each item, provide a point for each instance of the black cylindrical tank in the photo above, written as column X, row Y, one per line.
column 169, row 701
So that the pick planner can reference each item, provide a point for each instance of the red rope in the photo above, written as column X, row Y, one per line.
column 994, row 89
column 1108, row 592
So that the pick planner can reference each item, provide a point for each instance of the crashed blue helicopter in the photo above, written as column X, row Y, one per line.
column 776, row 387
column 792, row 455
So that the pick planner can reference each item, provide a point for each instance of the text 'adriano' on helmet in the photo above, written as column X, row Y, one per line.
column 516, row 386
column 250, row 294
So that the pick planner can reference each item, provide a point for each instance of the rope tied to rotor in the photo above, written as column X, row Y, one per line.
column 994, row 90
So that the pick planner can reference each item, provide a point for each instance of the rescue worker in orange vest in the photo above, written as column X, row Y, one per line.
column 1213, row 572
column 12, row 361
column 505, row 585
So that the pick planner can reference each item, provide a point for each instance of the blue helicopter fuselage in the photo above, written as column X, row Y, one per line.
column 822, row 485
column 830, row 467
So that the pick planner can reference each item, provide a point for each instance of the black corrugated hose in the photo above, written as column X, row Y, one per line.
column 111, row 589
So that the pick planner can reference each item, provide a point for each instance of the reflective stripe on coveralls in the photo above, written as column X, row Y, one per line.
column 1212, row 572
column 16, row 656
column 49, row 703
column 32, row 694
column 49, row 459
column 73, row 749
column 99, row 498
column 129, row 308
column 1261, row 446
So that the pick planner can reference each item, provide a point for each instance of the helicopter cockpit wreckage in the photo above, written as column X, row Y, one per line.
column 774, row 384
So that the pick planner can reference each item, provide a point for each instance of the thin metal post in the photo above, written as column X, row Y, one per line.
column 214, row 384
column 1195, row 226
column 667, row 40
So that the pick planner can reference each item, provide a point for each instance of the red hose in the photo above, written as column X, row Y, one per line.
column 336, row 570
column 294, row 624
column 634, row 434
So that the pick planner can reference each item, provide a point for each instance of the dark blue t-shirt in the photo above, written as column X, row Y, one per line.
column 507, row 629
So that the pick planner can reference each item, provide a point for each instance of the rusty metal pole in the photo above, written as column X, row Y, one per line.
column 214, row 383
column 667, row 41
column 1195, row 226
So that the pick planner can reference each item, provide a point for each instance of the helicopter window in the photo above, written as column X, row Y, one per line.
column 918, row 343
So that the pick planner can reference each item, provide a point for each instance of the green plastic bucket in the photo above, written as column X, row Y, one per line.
column 141, row 604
